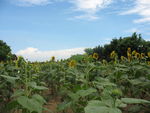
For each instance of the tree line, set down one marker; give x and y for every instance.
(120, 46)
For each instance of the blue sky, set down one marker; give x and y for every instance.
(39, 29)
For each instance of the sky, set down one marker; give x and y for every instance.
(39, 29)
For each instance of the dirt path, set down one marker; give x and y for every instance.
(52, 106)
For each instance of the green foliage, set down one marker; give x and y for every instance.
(120, 46)
(4, 51)
(89, 51)
(78, 57)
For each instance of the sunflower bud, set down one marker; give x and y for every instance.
(116, 92)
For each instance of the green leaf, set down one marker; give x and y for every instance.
(114, 110)
(96, 106)
(24, 101)
(108, 102)
(134, 101)
(34, 85)
(81, 93)
(96, 109)
(120, 104)
(39, 98)
(30, 104)
(87, 92)
(96, 103)
(10, 79)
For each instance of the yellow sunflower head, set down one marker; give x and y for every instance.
(123, 58)
(104, 62)
(134, 52)
(148, 54)
(137, 55)
(113, 54)
(142, 55)
(95, 56)
(53, 58)
(129, 50)
(72, 63)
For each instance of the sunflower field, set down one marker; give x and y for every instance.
(121, 85)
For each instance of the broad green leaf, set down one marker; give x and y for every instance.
(81, 93)
(87, 92)
(96, 103)
(103, 84)
(120, 104)
(24, 101)
(39, 98)
(96, 106)
(114, 110)
(134, 101)
(34, 85)
(10, 79)
(108, 102)
(30, 104)
(36, 106)
(96, 109)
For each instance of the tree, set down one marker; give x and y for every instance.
(89, 50)
(4, 51)
(135, 42)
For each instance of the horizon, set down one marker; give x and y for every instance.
(32, 54)
(39, 29)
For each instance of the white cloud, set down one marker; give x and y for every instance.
(142, 8)
(132, 30)
(33, 54)
(89, 7)
(145, 19)
(32, 2)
